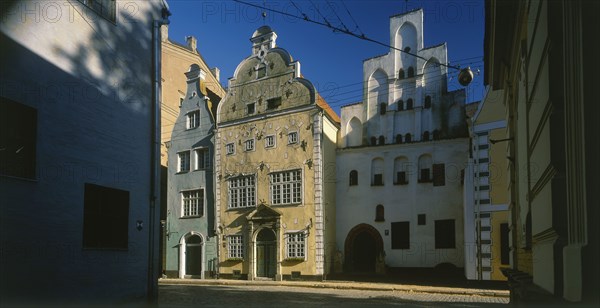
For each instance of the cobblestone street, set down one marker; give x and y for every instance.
(273, 295)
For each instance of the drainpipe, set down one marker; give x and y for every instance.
(154, 219)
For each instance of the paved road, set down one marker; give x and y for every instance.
(279, 296)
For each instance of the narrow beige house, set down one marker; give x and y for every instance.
(275, 197)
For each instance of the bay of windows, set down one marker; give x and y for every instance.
(286, 187)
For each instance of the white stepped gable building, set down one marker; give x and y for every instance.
(400, 158)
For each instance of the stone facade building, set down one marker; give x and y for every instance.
(275, 139)
(399, 159)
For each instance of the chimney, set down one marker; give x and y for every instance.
(216, 72)
(191, 42)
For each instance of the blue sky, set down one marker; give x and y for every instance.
(332, 61)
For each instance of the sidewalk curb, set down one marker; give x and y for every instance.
(340, 285)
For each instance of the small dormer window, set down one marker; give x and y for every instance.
(193, 119)
(251, 108)
(261, 71)
(273, 103)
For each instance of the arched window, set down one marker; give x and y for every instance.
(425, 162)
(377, 172)
(382, 108)
(353, 178)
(373, 140)
(411, 72)
(381, 140)
(401, 74)
(399, 138)
(426, 136)
(354, 132)
(409, 104)
(427, 103)
(400, 104)
(379, 213)
(436, 134)
(407, 138)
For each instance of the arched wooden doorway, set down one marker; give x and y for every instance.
(266, 259)
(362, 248)
(191, 256)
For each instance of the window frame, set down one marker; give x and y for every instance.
(353, 178)
(200, 204)
(272, 137)
(444, 234)
(192, 119)
(300, 252)
(295, 197)
(18, 136)
(235, 246)
(180, 161)
(235, 194)
(252, 143)
(294, 133)
(206, 160)
(230, 148)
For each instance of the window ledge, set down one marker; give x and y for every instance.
(295, 259)
(190, 217)
(425, 181)
(235, 259)
(401, 183)
(182, 172)
(377, 185)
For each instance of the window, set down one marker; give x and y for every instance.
(400, 104)
(192, 203)
(292, 137)
(444, 234)
(353, 178)
(427, 103)
(183, 164)
(379, 213)
(18, 130)
(400, 235)
(378, 179)
(261, 71)
(105, 8)
(411, 72)
(230, 148)
(439, 174)
(424, 168)
(399, 138)
(382, 108)
(381, 140)
(235, 247)
(373, 140)
(377, 172)
(426, 136)
(436, 134)
(242, 192)
(251, 108)
(400, 166)
(105, 217)
(504, 248)
(286, 187)
(421, 219)
(270, 141)
(249, 145)
(401, 74)
(295, 245)
(193, 119)
(407, 138)
(201, 159)
(273, 103)
(409, 104)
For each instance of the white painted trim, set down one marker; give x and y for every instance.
(489, 126)
(182, 252)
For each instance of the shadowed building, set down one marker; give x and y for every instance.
(79, 151)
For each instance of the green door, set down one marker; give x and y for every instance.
(265, 254)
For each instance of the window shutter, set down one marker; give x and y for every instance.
(439, 175)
